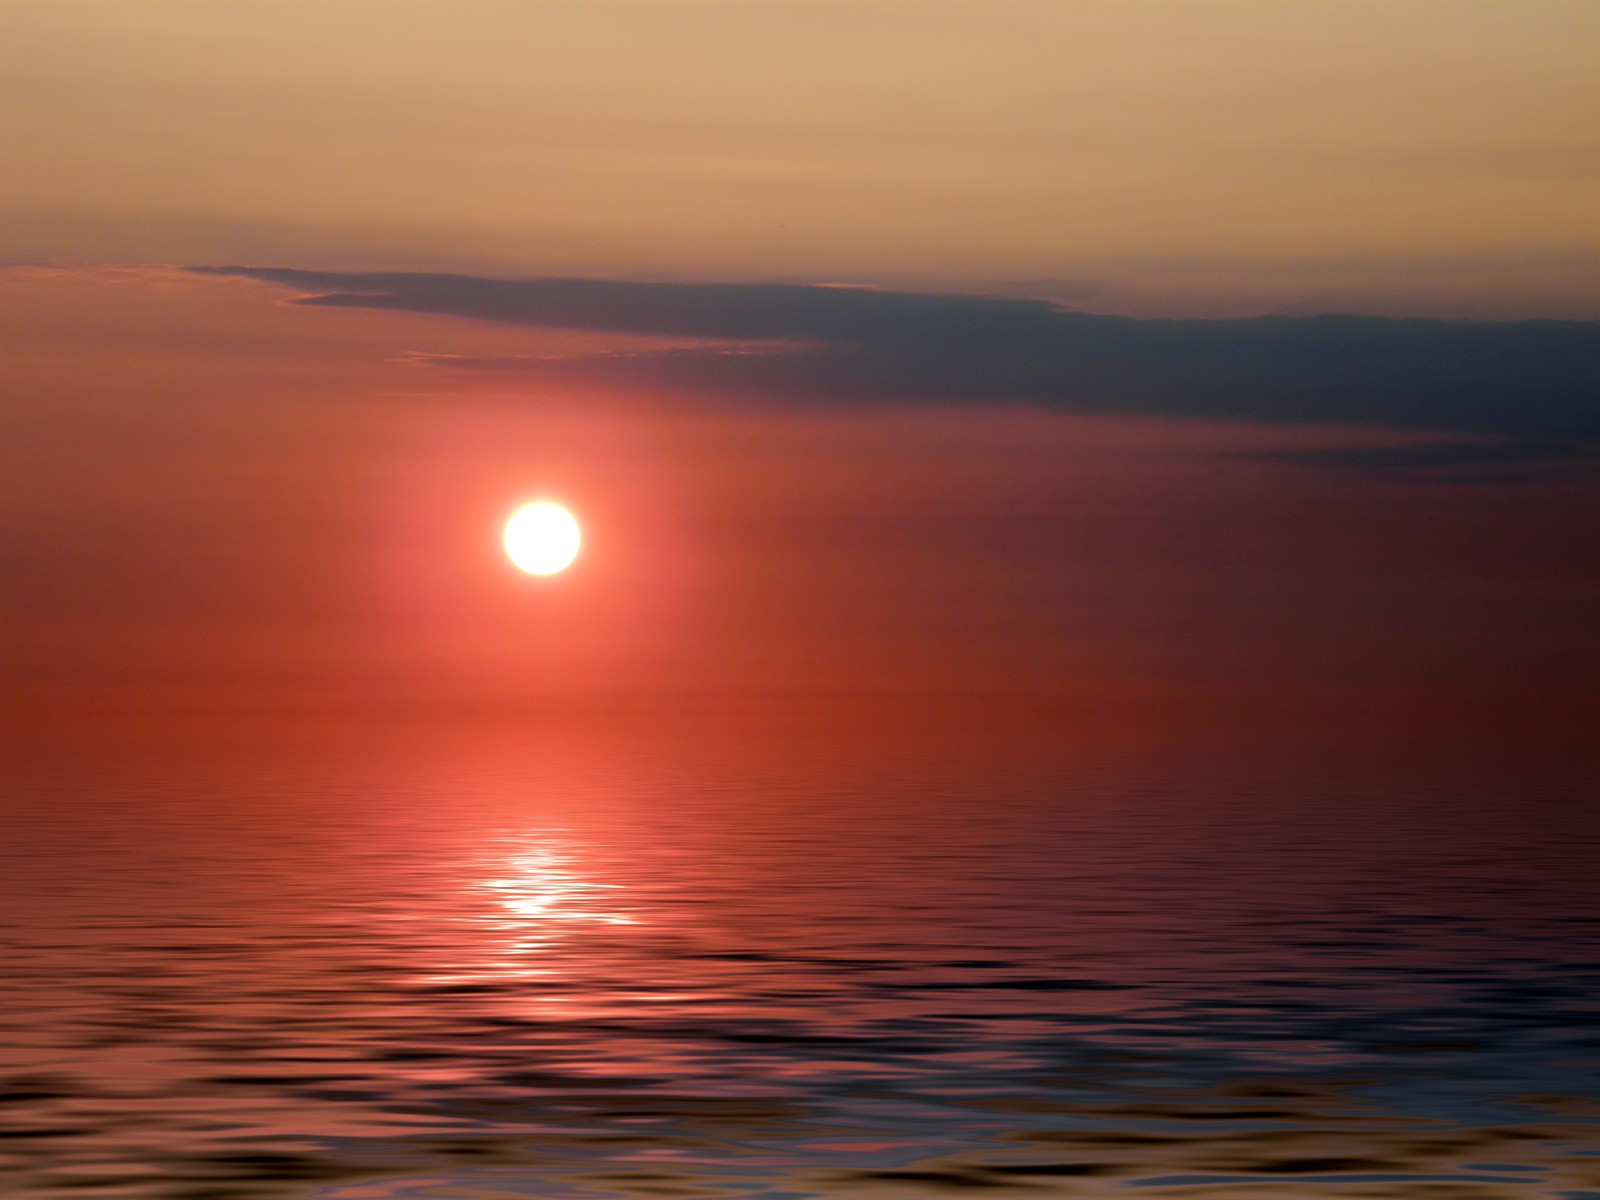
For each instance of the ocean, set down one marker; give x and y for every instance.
(587, 963)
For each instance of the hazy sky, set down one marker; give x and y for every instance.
(1139, 155)
(282, 482)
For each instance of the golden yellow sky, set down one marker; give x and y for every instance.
(1132, 155)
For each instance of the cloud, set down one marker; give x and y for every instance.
(1509, 460)
(1529, 382)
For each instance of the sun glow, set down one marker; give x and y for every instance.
(542, 538)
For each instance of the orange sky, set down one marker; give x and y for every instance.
(1132, 155)
(213, 496)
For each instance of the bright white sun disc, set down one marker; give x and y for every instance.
(542, 538)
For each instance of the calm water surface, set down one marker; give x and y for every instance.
(576, 964)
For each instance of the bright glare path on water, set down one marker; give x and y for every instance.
(592, 966)
(538, 888)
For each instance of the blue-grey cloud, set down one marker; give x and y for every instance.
(1507, 460)
(1532, 382)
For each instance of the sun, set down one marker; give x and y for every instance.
(542, 538)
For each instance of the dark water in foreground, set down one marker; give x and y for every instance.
(572, 965)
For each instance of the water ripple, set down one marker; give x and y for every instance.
(587, 969)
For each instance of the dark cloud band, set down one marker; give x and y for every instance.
(1524, 380)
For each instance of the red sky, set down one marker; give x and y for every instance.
(963, 474)
(221, 500)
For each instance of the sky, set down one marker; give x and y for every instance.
(1144, 355)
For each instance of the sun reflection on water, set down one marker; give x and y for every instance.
(539, 886)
